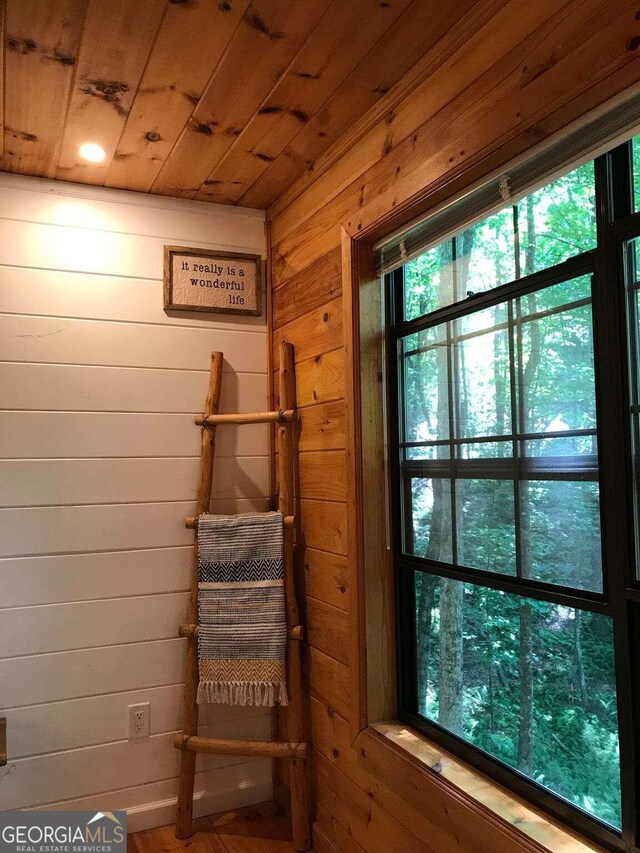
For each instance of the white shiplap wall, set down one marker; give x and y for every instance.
(98, 468)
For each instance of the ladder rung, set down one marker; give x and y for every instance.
(191, 523)
(260, 749)
(295, 633)
(280, 417)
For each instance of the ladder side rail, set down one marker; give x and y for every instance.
(300, 807)
(286, 500)
(184, 816)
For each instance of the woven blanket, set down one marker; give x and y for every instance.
(242, 626)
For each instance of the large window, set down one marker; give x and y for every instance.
(515, 431)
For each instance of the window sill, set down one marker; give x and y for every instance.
(413, 765)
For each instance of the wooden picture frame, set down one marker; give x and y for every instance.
(208, 280)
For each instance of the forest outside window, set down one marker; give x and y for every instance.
(515, 429)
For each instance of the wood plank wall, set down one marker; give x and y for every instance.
(508, 75)
(99, 464)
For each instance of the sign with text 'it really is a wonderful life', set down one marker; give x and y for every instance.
(205, 280)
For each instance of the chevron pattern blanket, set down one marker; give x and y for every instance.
(242, 626)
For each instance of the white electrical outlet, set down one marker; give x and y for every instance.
(139, 720)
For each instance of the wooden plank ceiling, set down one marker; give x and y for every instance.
(219, 100)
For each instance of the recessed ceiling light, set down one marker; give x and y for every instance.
(92, 152)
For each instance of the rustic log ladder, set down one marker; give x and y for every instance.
(294, 749)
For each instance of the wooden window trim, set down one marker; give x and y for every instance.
(398, 756)
(422, 772)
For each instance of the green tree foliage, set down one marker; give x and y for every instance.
(574, 740)
(530, 682)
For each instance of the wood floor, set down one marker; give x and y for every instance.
(255, 829)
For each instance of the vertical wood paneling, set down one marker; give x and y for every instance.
(327, 629)
(320, 379)
(328, 679)
(315, 285)
(482, 91)
(326, 577)
(454, 135)
(322, 475)
(313, 333)
(99, 466)
(322, 426)
(325, 525)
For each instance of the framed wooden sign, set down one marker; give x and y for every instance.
(205, 280)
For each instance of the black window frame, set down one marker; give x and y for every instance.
(620, 598)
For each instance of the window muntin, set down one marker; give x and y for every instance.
(500, 405)
(536, 472)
